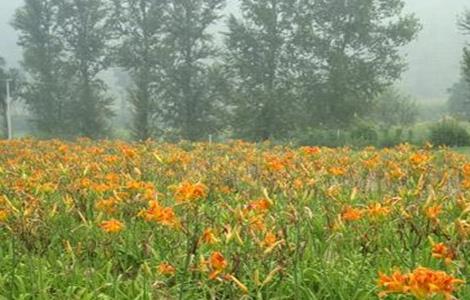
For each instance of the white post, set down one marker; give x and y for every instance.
(8, 115)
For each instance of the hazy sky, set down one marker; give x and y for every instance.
(434, 58)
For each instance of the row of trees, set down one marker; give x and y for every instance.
(459, 100)
(282, 66)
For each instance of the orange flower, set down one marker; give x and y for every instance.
(419, 159)
(441, 251)
(377, 210)
(425, 283)
(217, 263)
(260, 205)
(337, 171)
(395, 172)
(466, 170)
(163, 215)
(396, 283)
(269, 240)
(166, 269)
(422, 283)
(189, 192)
(466, 184)
(3, 215)
(257, 223)
(112, 226)
(351, 214)
(371, 163)
(107, 205)
(208, 237)
(433, 212)
(311, 150)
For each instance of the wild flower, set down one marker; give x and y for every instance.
(422, 283)
(166, 269)
(444, 252)
(187, 192)
(112, 226)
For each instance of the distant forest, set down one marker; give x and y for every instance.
(298, 70)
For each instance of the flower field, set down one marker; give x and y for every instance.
(114, 220)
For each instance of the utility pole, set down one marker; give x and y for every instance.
(7, 108)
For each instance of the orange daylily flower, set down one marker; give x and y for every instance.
(3, 215)
(351, 214)
(422, 283)
(187, 192)
(433, 212)
(112, 226)
(209, 237)
(166, 269)
(441, 251)
(217, 263)
(377, 210)
(163, 215)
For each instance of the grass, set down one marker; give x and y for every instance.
(227, 221)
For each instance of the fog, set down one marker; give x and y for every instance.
(434, 58)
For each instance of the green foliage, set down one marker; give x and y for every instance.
(466, 65)
(313, 63)
(459, 100)
(359, 136)
(85, 31)
(65, 46)
(47, 92)
(393, 108)
(287, 65)
(140, 26)
(259, 53)
(364, 134)
(3, 77)
(350, 52)
(449, 133)
(321, 137)
(188, 108)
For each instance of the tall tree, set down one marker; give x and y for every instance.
(465, 25)
(458, 103)
(188, 106)
(86, 33)
(47, 92)
(260, 54)
(394, 108)
(3, 104)
(353, 50)
(140, 24)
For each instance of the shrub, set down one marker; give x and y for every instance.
(364, 135)
(449, 133)
(322, 137)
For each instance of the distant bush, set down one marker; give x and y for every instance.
(322, 137)
(364, 135)
(449, 133)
